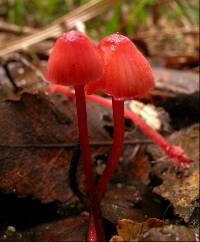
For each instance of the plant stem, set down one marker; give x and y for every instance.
(85, 152)
(113, 158)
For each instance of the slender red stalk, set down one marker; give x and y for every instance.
(92, 235)
(85, 151)
(177, 155)
(113, 158)
(118, 115)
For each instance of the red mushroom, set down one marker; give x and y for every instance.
(127, 75)
(75, 61)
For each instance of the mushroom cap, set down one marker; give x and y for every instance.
(127, 74)
(74, 60)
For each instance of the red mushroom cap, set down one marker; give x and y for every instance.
(74, 60)
(127, 74)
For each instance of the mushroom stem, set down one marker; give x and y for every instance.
(91, 236)
(113, 158)
(85, 151)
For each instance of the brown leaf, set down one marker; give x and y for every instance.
(184, 82)
(169, 233)
(39, 172)
(116, 238)
(180, 187)
(36, 171)
(182, 61)
(141, 167)
(130, 202)
(73, 229)
(27, 77)
(129, 230)
(119, 203)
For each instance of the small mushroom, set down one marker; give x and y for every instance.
(127, 75)
(75, 61)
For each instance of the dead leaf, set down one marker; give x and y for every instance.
(169, 233)
(184, 82)
(182, 61)
(119, 203)
(73, 229)
(116, 238)
(181, 188)
(27, 78)
(42, 172)
(141, 167)
(129, 230)
(130, 202)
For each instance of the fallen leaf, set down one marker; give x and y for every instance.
(136, 166)
(182, 61)
(40, 172)
(119, 203)
(141, 167)
(116, 238)
(176, 81)
(169, 233)
(34, 120)
(129, 230)
(27, 78)
(130, 202)
(73, 229)
(181, 188)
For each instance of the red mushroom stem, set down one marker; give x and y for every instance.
(178, 156)
(92, 235)
(118, 116)
(85, 151)
(114, 155)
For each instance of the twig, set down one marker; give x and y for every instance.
(72, 145)
(82, 13)
(15, 29)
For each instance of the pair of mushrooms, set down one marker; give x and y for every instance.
(115, 67)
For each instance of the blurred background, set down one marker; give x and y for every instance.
(161, 28)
